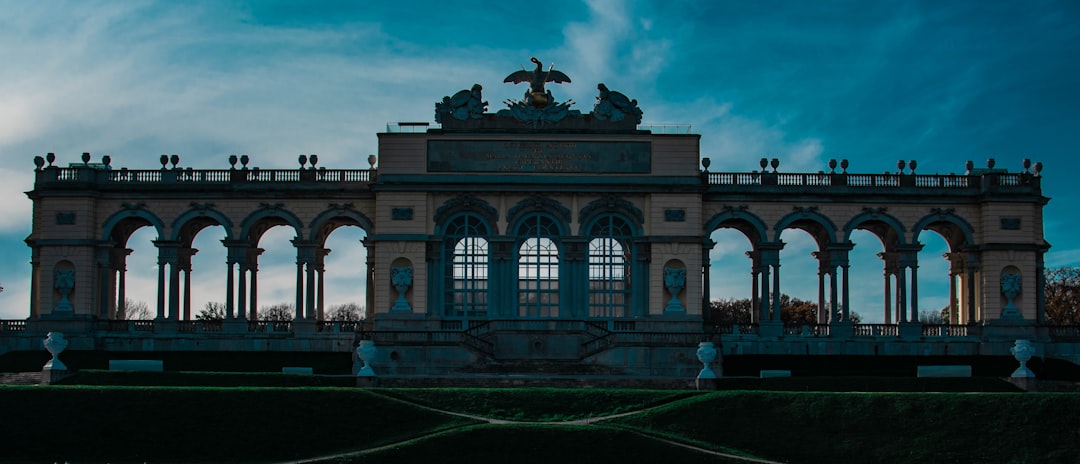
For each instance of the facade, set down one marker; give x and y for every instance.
(539, 234)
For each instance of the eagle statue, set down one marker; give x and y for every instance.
(536, 95)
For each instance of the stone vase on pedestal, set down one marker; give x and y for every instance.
(366, 352)
(706, 353)
(55, 344)
(674, 281)
(402, 279)
(1022, 351)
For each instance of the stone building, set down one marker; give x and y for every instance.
(539, 234)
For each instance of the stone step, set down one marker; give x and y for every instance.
(20, 378)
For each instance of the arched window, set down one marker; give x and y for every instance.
(609, 268)
(538, 268)
(467, 279)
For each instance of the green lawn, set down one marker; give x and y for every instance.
(258, 424)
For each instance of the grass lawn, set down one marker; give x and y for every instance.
(261, 424)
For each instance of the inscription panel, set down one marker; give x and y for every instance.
(539, 156)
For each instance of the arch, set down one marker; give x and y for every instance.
(561, 227)
(329, 220)
(887, 228)
(811, 221)
(186, 226)
(253, 226)
(539, 204)
(749, 224)
(119, 224)
(611, 205)
(957, 232)
(467, 204)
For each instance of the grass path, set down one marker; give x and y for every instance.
(493, 421)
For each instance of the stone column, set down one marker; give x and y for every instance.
(756, 293)
(236, 252)
(770, 294)
(706, 248)
(909, 259)
(168, 256)
(185, 255)
(118, 261)
(320, 271)
(956, 269)
(838, 258)
(251, 259)
(823, 270)
(973, 267)
(305, 287)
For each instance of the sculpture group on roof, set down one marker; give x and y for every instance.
(538, 108)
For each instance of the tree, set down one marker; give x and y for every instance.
(737, 311)
(730, 311)
(277, 312)
(345, 312)
(931, 317)
(132, 310)
(213, 311)
(1063, 296)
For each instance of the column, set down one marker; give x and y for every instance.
(909, 260)
(823, 270)
(251, 260)
(185, 255)
(755, 285)
(706, 247)
(320, 270)
(235, 258)
(973, 265)
(956, 269)
(891, 272)
(840, 293)
(305, 288)
(770, 295)
(119, 267)
(369, 297)
(167, 256)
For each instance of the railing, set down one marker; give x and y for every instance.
(189, 176)
(664, 128)
(416, 337)
(807, 330)
(12, 326)
(876, 330)
(269, 326)
(1065, 331)
(1011, 182)
(945, 330)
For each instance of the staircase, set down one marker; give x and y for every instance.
(20, 378)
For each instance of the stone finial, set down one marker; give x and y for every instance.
(55, 344)
(1022, 351)
(365, 351)
(706, 353)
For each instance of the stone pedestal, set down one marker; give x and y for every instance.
(910, 330)
(367, 382)
(53, 376)
(771, 329)
(304, 326)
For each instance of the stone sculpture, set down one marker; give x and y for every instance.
(64, 282)
(674, 281)
(55, 344)
(1022, 351)
(402, 279)
(706, 353)
(365, 351)
(614, 106)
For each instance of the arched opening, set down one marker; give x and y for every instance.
(344, 276)
(538, 261)
(868, 302)
(609, 268)
(730, 290)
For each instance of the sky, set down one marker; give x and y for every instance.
(872, 82)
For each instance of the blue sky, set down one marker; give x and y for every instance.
(873, 82)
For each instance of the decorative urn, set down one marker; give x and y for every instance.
(55, 344)
(366, 352)
(706, 353)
